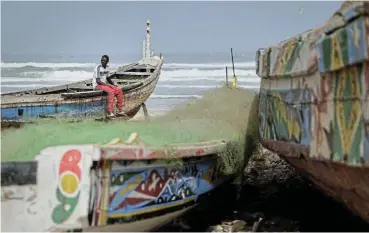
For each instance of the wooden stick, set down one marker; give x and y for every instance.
(146, 114)
(234, 78)
(227, 76)
(232, 62)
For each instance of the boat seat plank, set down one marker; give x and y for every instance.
(134, 73)
(79, 86)
(127, 80)
(84, 94)
(123, 68)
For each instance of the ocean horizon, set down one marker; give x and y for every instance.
(183, 76)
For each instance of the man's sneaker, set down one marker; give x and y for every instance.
(110, 115)
(121, 113)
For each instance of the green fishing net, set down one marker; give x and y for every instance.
(223, 113)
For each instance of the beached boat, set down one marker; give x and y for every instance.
(314, 104)
(121, 186)
(79, 99)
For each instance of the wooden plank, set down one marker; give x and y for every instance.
(80, 86)
(84, 94)
(127, 80)
(123, 68)
(134, 73)
(181, 150)
(45, 90)
(29, 99)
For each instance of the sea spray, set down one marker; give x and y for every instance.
(178, 81)
(221, 114)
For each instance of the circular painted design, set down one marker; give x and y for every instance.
(69, 183)
(69, 186)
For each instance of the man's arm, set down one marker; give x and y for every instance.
(109, 81)
(98, 78)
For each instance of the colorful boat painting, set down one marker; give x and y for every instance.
(122, 186)
(314, 104)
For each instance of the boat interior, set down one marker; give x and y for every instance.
(127, 77)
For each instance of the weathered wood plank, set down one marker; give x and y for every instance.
(134, 73)
(84, 94)
(127, 80)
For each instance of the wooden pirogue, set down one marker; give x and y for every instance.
(121, 186)
(137, 80)
(314, 104)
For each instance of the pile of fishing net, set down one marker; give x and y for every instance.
(223, 113)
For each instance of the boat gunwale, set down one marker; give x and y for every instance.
(170, 151)
(60, 100)
(27, 92)
(295, 150)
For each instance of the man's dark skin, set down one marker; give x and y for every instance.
(104, 63)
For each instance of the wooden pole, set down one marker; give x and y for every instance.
(227, 76)
(232, 62)
(234, 79)
(146, 114)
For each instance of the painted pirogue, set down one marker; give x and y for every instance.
(80, 99)
(121, 186)
(314, 104)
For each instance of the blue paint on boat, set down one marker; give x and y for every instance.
(28, 112)
(144, 190)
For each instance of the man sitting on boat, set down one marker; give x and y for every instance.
(100, 76)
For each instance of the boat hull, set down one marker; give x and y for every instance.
(18, 108)
(109, 188)
(314, 102)
(32, 111)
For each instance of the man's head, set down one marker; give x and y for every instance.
(104, 60)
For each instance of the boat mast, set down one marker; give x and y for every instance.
(143, 48)
(147, 52)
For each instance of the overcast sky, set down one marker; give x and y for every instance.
(177, 27)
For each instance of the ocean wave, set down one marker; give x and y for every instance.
(171, 76)
(60, 74)
(14, 83)
(45, 65)
(249, 64)
(156, 96)
(178, 81)
(29, 85)
(50, 76)
(203, 86)
(16, 65)
(198, 73)
(206, 80)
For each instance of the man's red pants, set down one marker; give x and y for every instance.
(112, 91)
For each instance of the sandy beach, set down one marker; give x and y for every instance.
(153, 114)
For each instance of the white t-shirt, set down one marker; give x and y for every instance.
(99, 73)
